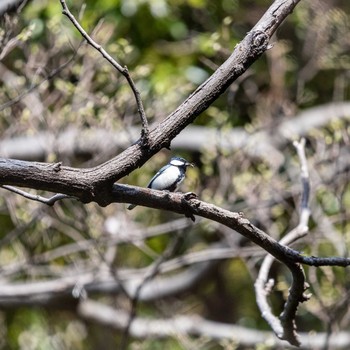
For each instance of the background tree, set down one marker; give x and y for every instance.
(157, 275)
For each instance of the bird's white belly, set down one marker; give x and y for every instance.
(166, 179)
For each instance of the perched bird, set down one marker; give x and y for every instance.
(169, 177)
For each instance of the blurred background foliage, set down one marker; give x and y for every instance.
(51, 81)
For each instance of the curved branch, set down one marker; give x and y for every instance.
(49, 201)
(81, 183)
(285, 327)
(187, 205)
(46, 177)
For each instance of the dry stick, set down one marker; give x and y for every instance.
(284, 327)
(49, 201)
(123, 70)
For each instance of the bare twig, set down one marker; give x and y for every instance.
(284, 327)
(123, 70)
(42, 175)
(49, 201)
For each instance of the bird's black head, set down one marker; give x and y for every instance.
(180, 162)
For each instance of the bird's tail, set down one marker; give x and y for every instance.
(131, 206)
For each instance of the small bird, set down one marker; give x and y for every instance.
(169, 177)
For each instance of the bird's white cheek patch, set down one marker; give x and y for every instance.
(176, 162)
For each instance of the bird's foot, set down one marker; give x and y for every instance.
(188, 208)
(190, 195)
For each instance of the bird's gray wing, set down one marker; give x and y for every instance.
(161, 170)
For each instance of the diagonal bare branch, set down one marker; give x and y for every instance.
(123, 70)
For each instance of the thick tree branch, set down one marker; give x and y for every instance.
(53, 177)
(181, 203)
(59, 179)
(42, 176)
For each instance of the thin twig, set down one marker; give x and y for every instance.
(123, 70)
(49, 201)
(284, 327)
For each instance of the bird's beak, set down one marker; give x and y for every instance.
(190, 164)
